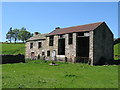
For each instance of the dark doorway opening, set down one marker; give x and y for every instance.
(61, 47)
(38, 56)
(82, 49)
(32, 55)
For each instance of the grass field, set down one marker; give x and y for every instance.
(38, 74)
(13, 48)
(117, 51)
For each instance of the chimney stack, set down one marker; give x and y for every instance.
(57, 28)
(36, 33)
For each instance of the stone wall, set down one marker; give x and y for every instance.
(51, 48)
(102, 45)
(35, 49)
(91, 33)
(45, 47)
(70, 49)
(12, 58)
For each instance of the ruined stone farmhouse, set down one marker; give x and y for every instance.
(90, 43)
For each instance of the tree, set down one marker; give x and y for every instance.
(9, 34)
(24, 35)
(15, 34)
(23, 29)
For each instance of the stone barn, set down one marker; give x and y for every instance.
(90, 43)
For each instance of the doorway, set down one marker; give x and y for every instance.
(54, 55)
(82, 49)
(32, 55)
(61, 47)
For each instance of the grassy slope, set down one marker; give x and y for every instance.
(20, 48)
(117, 50)
(38, 74)
(13, 48)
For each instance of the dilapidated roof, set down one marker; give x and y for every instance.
(81, 28)
(38, 37)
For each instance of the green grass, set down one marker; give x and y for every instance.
(38, 74)
(116, 51)
(13, 48)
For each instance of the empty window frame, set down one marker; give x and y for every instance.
(70, 36)
(43, 53)
(31, 45)
(48, 53)
(80, 34)
(61, 36)
(39, 44)
(51, 40)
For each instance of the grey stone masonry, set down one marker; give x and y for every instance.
(98, 44)
(70, 49)
(91, 47)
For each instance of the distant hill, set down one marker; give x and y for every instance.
(18, 48)
(117, 48)
(116, 41)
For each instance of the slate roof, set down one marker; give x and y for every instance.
(81, 28)
(38, 37)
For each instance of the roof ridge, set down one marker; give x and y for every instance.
(79, 28)
(81, 25)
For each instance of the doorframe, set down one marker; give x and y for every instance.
(54, 55)
(58, 46)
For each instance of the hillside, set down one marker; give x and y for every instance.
(116, 48)
(116, 51)
(116, 41)
(13, 48)
(20, 48)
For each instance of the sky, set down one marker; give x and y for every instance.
(44, 17)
